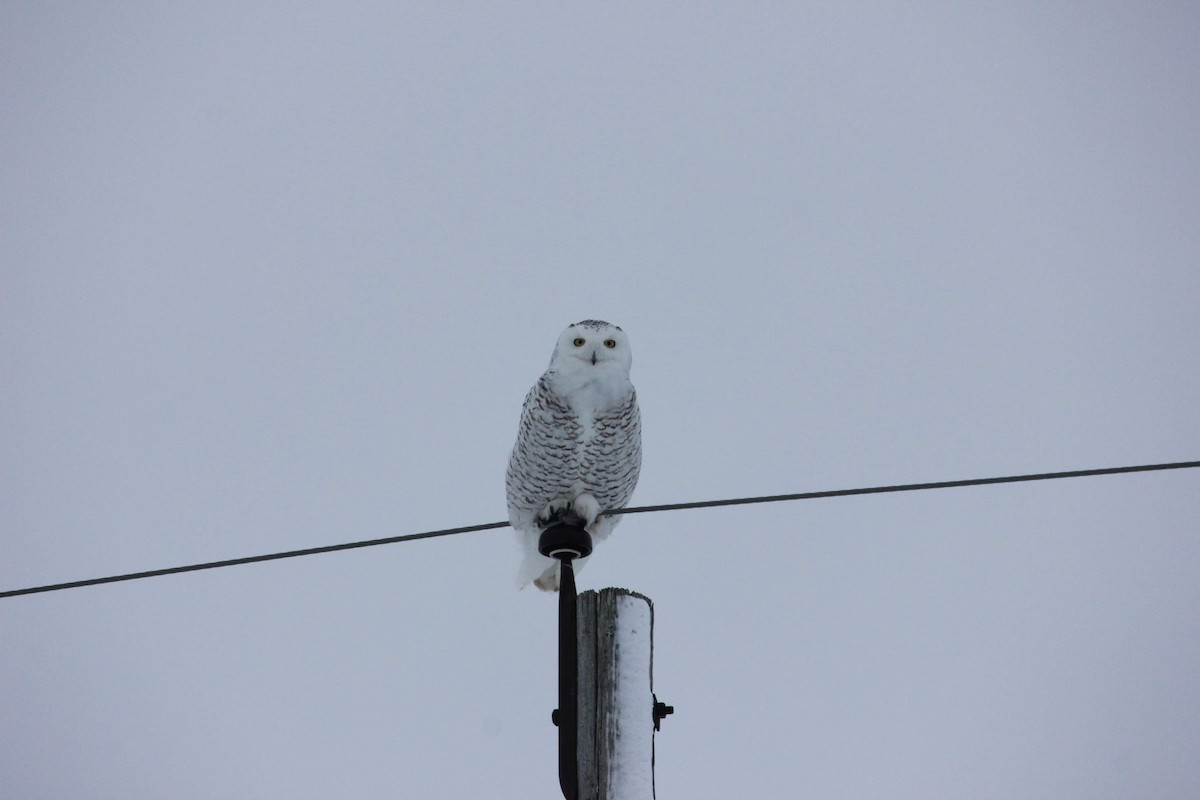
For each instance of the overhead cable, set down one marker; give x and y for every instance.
(312, 551)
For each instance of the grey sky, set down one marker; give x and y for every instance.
(278, 275)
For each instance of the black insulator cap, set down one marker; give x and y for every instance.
(565, 541)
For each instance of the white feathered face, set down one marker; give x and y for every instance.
(592, 344)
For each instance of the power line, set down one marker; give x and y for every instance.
(312, 551)
(908, 487)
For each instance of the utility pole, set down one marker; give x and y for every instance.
(607, 713)
(617, 708)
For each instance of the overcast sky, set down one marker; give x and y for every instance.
(277, 275)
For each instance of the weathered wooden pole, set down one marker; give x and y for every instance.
(618, 712)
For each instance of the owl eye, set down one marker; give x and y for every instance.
(579, 341)
(610, 343)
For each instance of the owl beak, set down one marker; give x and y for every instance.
(593, 358)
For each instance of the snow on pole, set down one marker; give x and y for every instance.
(616, 698)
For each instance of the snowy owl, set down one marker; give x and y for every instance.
(579, 445)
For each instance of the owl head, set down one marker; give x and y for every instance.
(592, 345)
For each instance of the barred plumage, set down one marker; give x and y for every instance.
(579, 444)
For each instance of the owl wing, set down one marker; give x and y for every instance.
(612, 459)
(543, 463)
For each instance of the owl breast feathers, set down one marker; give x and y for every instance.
(579, 444)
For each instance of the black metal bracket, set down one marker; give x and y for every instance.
(661, 711)
(566, 542)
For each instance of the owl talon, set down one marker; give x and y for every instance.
(552, 513)
(586, 508)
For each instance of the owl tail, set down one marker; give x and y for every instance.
(542, 572)
(548, 580)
